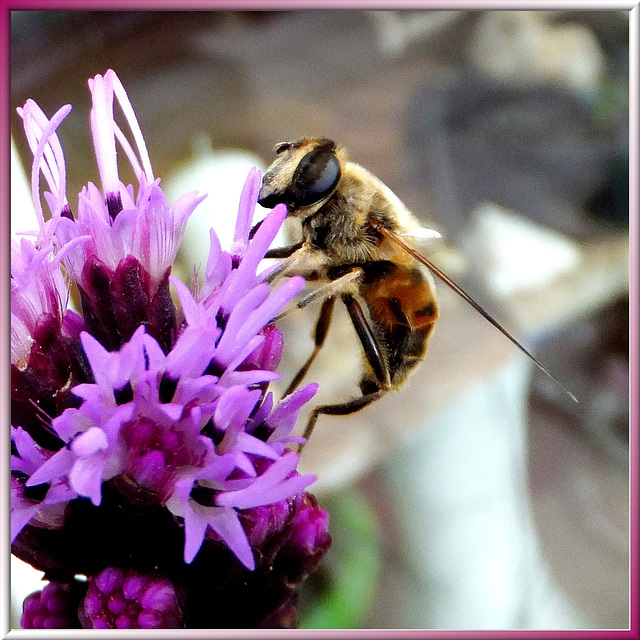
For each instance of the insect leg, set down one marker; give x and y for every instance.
(320, 333)
(293, 256)
(283, 252)
(370, 343)
(373, 353)
(341, 409)
(325, 291)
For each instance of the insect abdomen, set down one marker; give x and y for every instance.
(403, 308)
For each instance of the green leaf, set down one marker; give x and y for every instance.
(338, 594)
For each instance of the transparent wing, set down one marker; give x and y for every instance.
(401, 240)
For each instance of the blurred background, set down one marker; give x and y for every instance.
(478, 496)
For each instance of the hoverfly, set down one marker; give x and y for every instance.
(357, 242)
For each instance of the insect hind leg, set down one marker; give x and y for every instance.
(339, 409)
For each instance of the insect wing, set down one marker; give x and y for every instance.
(398, 239)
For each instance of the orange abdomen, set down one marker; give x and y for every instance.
(403, 309)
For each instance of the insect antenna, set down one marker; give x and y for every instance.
(394, 237)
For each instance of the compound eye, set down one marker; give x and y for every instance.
(282, 146)
(315, 177)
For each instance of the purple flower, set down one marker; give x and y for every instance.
(144, 433)
(37, 284)
(118, 222)
(38, 289)
(45, 354)
(43, 506)
(48, 159)
(38, 293)
(133, 422)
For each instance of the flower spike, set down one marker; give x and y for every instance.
(148, 454)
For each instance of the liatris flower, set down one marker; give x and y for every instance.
(147, 452)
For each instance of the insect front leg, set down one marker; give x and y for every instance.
(325, 291)
(283, 252)
(294, 256)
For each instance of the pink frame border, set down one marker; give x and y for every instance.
(6, 6)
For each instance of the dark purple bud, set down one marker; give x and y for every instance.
(129, 296)
(55, 607)
(116, 303)
(127, 599)
(309, 528)
(267, 355)
(162, 322)
(55, 364)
